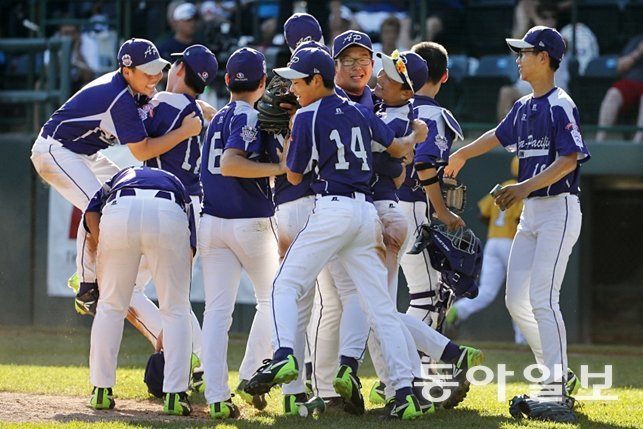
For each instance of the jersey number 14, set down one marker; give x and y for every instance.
(357, 147)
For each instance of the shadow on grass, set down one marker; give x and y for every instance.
(453, 419)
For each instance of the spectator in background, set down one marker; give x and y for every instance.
(389, 34)
(526, 14)
(340, 19)
(625, 94)
(444, 21)
(185, 19)
(81, 72)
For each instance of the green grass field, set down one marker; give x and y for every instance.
(54, 362)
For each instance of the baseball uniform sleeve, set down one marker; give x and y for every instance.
(127, 121)
(244, 133)
(505, 131)
(301, 144)
(381, 132)
(567, 135)
(428, 151)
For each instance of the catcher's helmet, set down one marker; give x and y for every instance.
(458, 256)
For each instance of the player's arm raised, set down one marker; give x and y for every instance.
(479, 146)
(511, 194)
(152, 147)
(402, 145)
(235, 162)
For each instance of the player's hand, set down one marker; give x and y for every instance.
(290, 108)
(207, 110)
(451, 220)
(510, 195)
(421, 130)
(191, 125)
(456, 162)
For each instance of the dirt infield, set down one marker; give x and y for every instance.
(23, 407)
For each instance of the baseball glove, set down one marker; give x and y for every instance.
(454, 193)
(273, 118)
(541, 409)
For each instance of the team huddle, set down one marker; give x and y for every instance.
(320, 211)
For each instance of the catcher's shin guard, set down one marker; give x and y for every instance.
(436, 302)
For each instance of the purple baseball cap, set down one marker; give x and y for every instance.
(351, 38)
(201, 61)
(246, 65)
(405, 67)
(312, 44)
(143, 55)
(308, 62)
(302, 27)
(540, 38)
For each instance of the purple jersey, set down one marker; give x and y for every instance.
(386, 168)
(162, 114)
(101, 114)
(284, 191)
(366, 99)
(145, 178)
(540, 129)
(443, 130)
(234, 127)
(336, 134)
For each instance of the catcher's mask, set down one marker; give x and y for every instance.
(458, 256)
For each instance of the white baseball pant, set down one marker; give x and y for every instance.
(225, 247)
(547, 232)
(77, 178)
(147, 312)
(131, 227)
(291, 218)
(350, 229)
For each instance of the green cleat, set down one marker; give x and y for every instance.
(74, 283)
(408, 410)
(102, 398)
(572, 384)
(224, 410)
(469, 358)
(257, 401)
(292, 403)
(198, 384)
(452, 316)
(376, 395)
(348, 386)
(177, 404)
(271, 374)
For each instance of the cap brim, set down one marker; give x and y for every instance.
(361, 45)
(288, 73)
(517, 44)
(389, 67)
(154, 67)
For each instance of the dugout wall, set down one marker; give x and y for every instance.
(602, 295)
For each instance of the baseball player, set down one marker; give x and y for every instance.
(543, 128)
(336, 134)
(502, 225)
(402, 75)
(142, 212)
(194, 69)
(67, 155)
(236, 230)
(352, 52)
(293, 205)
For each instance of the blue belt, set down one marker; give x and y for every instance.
(131, 192)
(354, 195)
